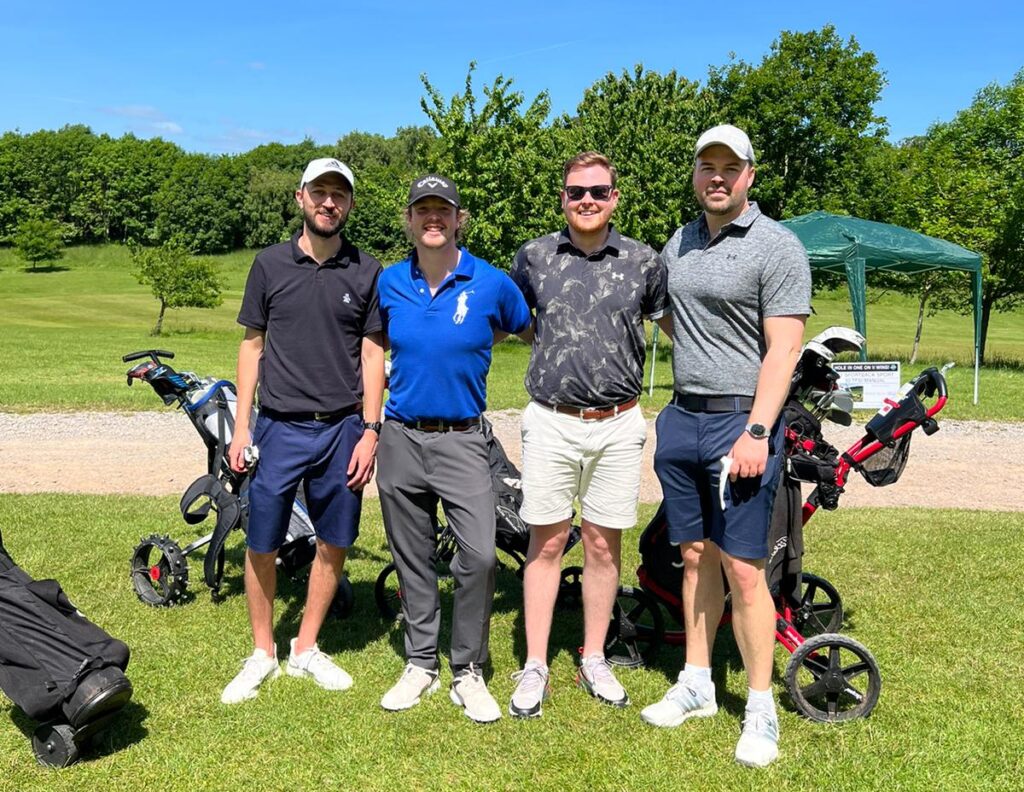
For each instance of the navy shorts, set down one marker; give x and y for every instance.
(315, 454)
(688, 463)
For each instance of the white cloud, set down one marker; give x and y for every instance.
(168, 127)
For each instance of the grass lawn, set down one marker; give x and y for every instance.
(932, 594)
(62, 334)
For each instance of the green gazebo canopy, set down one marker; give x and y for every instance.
(849, 245)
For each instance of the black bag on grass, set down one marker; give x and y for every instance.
(55, 664)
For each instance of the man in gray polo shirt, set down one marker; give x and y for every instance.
(583, 432)
(740, 289)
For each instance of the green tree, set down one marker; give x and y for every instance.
(809, 108)
(647, 124)
(38, 241)
(376, 220)
(199, 206)
(39, 173)
(269, 211)
(968, 187)
(283, 157)
(177, 279)
(504, 160)
(118, 183)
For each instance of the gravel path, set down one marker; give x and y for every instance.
(968, 464)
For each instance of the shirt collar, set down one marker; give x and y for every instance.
(744, 221)
(463, 270)
(343, 257)
(613, 243)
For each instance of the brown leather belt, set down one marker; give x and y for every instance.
(591, 413)
(441, 425)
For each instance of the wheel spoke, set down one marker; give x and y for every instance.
(636, 612)
(856, 669)
(815, 689)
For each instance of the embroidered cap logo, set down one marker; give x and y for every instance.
(432, 182)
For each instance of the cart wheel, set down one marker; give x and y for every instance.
(388, 594)
(159, 571)
(820, 609)
(833, 678)
(54, 745)
(570, 589)
(636, 629)
(344, 599)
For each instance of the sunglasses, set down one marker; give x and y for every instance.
(599, 192)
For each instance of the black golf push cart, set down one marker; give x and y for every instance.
(159, 565)
(830, 676)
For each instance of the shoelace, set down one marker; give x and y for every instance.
(411, 669)
(318, 658)
(600, 673)
(530, 680)
(762, 724)
(251, 666)
(471, 676)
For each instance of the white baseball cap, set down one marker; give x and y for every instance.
(727, 135)
(318, 167)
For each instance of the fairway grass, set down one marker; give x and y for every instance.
(934, 595)
(63, 332)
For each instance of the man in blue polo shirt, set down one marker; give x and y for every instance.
(313, 343)
(441, 310)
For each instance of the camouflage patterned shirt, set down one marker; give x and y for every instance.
(589, 345)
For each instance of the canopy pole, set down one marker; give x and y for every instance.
(855, 282)
(977, 330)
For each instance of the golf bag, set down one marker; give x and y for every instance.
(56, 665)
(159, 564)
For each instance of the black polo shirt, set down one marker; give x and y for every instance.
(315, 318)
(589, 346)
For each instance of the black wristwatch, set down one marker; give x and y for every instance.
(757, 431)
(373, 426)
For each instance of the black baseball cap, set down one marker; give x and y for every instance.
(433, 186)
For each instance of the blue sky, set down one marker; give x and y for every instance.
(226, 77)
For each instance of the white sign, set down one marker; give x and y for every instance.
(870, 383)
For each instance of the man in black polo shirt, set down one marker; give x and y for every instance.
(583, 433)
(313, 343)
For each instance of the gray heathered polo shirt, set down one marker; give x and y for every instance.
(589, 347)
(721, 290)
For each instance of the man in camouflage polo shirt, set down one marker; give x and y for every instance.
(583, 432)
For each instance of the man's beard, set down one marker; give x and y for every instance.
(311, 224)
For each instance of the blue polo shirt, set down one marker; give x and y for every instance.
(441, 343)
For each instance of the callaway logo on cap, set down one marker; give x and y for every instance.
(433, 186)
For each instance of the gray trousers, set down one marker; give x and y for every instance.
(416, 470)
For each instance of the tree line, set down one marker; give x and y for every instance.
(809, 106)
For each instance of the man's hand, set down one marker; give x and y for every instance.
(360, 467)
(749, 457)
(239, 441)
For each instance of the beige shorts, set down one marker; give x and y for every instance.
(565, 458)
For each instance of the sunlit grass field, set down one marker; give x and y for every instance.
(931, 594)
(62, 334)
